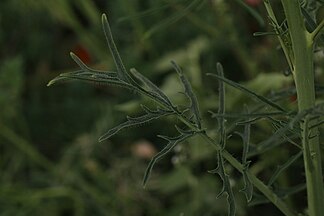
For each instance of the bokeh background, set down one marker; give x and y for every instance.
(50, 159)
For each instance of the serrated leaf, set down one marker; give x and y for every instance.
(190, 94)
(283, 167)
(121, 70)
(220, 170)
(134, 121)
(152, 87)
(249, 92)
(172, 142)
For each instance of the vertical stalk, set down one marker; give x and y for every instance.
(302, 45)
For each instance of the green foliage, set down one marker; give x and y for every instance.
(51, 161)
(124, 79)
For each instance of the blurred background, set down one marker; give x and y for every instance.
(50, 159)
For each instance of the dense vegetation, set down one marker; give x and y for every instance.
(51, 160)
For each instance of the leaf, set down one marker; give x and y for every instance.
(220, 170)
(246, 142)
(248, 186)
(82, 65)
(152, 87)
(273, 140)
(221, 108)
(257, 34)
(252, 11)
(190, 94)
(283, 167)
(280, 193)
(247, 91)
(173, 19)
(248, 115)
(172, 142)
(121, 70)
(133, 121)
(106, 78)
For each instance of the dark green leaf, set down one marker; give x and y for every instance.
(121, 70)
(220, 170)
(151, 87)
(103, 78)
(221, 108)
(283, 167)
(248, 186)
(190, 94)
(134, 121)
(252, 11)
(249, 92)
(172, 142)
(174, 18)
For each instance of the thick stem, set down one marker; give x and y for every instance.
(302, 46)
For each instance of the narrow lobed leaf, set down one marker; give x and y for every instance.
(80, 63)
(152, 87)
(108, 78)
(221, 108)
(121, 70)
(252, 11)
(283, 167)
(248, 115)
(172, 142)
(248, 187)
(134, 121)
(246, 141)
(220, 170)
(190, 94)
(280, 193)
(249, 92)
(257, 34)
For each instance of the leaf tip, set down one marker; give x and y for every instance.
(104, 17)
(50, 83)
(101, 139)
(72, 55)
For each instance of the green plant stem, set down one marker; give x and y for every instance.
(302, 45)
(317, 31)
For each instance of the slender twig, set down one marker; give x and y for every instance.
(317, 31)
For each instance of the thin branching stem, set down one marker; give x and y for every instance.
(317, 31)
